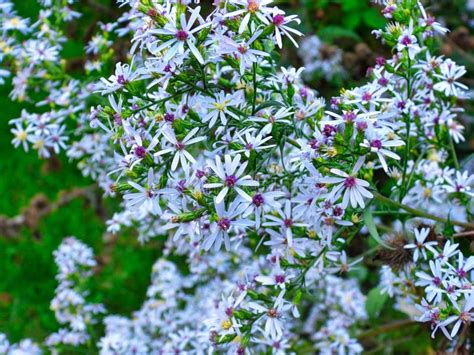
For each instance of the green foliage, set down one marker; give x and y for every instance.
(375, 302)
(27, 268)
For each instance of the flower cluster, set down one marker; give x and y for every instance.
(75, 261)
(31, 53)
(226, 152)
(263, 189)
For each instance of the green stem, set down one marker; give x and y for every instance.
(453, 152)
(254, 99)
(422, 214)
(405, 159)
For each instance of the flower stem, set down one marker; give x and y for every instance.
(453, 153)
(419, 213)
(254, 99)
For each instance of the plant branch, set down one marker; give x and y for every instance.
(422, 214)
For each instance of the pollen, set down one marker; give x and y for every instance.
(15, 21)
(21, 135)
(253, 6)
(220, 106)
(427, 192)
(226, 324)
(39, 144)
(332, 152)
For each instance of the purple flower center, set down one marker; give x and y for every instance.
(258, 200)
(362, 126)
(461, 273)
(224, 224)
(383, 81)
(288, 222)
(229, 311)
(376, 143)
(314, 144)
(140, 151)
(181, 186)
(230, 180)
(436, 281)
(121, 80)
(380, 61)
(181, 35)
(278, 20)
(367, 96)
(279, 279)
(350, 116)
(328, 130)
(242, 49)
(338, 211)
(117, 119)
(169, 117)
(350, 182)
(406, 40)
(180, 146)
(200, 174)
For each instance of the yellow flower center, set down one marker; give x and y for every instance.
(226, 324)
(21, 135)
(253, 6)
(427, 192)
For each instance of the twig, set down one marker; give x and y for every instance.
(464, 234)
(386, 328)
(39, 207)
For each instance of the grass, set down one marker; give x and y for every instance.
(27, 269)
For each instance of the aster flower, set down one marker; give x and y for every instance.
(449, 76)
(378, 140)
(420, 245)
(218, 107)
(179, 147)
(231, 175)
(124, 73)
(182, 34)
(464, 317)
(252, 142)
(147, 196)
(273, 315)
(408, 41)
(350, 187)
(251, 7)
(433, 283)
(285, 219)
(227, 221)
(280, 21)
(242, 50)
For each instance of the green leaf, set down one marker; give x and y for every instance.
(352, 20)
(331, 33)
(369, 222)
(269, 104)
(372, 18)
(375, 302)
(350, 5)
